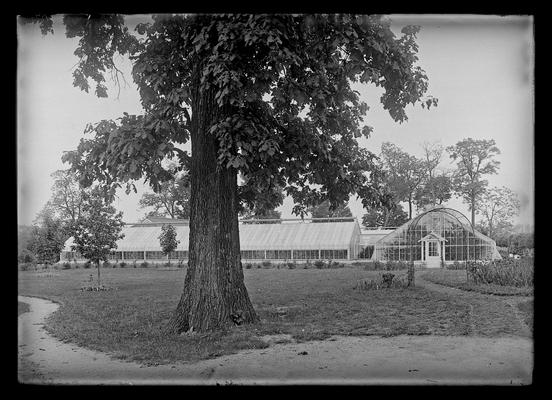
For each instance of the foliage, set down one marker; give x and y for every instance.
(27, 266)
(327, 210)
(167, 239)
(385, 217)
(67, 196)
(272, 95)
(319, 264)
(260, 202)
(97, 229)
(456, 266)
(405, 173)
(436, 190)
(266, 264)
(66, 265)
(383, 266)
(87, 264)
(497, 206)
(474, 159)
(172, 198)
(48, 237)
(144, 264)
(122, 264)
(26, 256)
(506, 272)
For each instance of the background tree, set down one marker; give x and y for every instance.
(268, 96)
(167, 240)
(48, 236)
(325, 210)
(67, 197)
(172, 199)
(97, 229)
(498, 205)
(405, 173)
(474, 159)
(385, 217)
(24, 237)
(435, 191)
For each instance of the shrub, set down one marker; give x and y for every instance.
(267, 264)
(66, 265)
(106, 264)
(507, 272)
(319, 264)
(247, 266)
(167, 265)
(456, 266)
(26, 266)
(122, 264)
(144, 264)
(291, 265)
(87, 264)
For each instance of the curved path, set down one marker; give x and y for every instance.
(339, 360)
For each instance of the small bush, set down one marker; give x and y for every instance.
(106, 264)
(456, 266)
(87, 264)
(266, 264)
(27, 266)
(122, 264)
(66, 265)
(247, 266)
(291, 265)
(167, 265)
(319, 264)
(144, 264)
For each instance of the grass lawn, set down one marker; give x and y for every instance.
(22, 308)
(527, 310)
(457, 279)
(307, 304)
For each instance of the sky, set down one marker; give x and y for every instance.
(481, 68)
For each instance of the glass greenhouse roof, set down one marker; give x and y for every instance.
(273, 236)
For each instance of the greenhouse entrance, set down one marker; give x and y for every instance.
(433, 248)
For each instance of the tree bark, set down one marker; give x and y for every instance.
(214, 294)
(98, 266)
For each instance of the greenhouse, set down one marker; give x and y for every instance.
(308, 239)
(439, 235)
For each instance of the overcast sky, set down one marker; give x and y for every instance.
(479, 67)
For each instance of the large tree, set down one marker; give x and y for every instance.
(498, 205)
(405, 173)
(474, 159)
(267, 96)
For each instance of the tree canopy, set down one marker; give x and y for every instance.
(474, 159)
(266, 97)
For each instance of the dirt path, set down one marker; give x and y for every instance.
(339, 360)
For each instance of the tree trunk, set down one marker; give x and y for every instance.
(214, 293)
(473, 211)
(98, 266)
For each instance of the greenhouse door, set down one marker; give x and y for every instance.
(432, 253)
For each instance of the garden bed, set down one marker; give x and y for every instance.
(457, 279)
